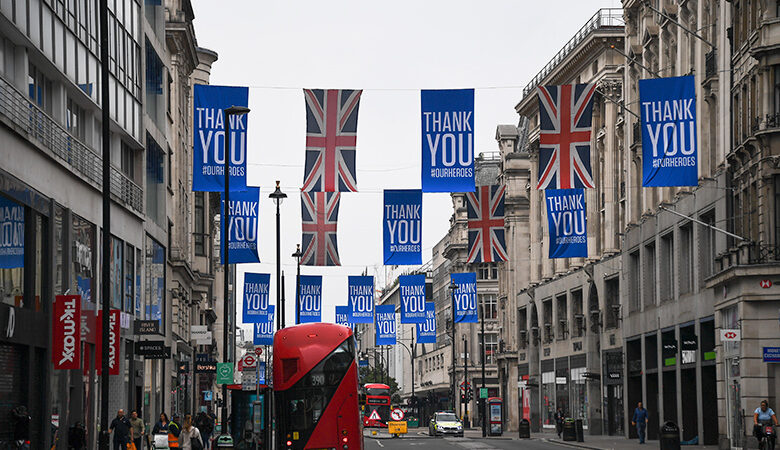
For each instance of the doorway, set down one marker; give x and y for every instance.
(614, 409)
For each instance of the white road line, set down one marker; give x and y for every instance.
(379, 443)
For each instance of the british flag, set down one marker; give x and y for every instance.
(320, 214)
(485, 209)
(564, 137)
(331, 139)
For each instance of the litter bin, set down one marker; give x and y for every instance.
(670, 436)
(580, 430)
(224, 441)
(569, 431)
(524, 429)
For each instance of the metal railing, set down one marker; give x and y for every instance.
(710, 64)
(28, 119)
(604, 18)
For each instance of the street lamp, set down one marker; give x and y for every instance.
(466, 422)
(232, 111)
(278, 197)
(411, 356)
(482, 410)
(452, 288)
(298, 255)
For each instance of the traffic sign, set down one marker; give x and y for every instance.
(483, 393)
(397, 415)
(248, 361)
(396, 428)
(374, 416)
(258, 350)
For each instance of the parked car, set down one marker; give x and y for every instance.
(445, 423)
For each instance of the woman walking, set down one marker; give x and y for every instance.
(190, 435)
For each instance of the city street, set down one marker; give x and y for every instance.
(428, 443)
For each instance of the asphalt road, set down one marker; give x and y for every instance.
(449, 443)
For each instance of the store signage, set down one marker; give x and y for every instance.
(146, 327)
(249, 361)
(200, 334)
(66, 332)
(152, 349)
(204, 363)
(560, 380)
(731, 335)
(771, 354)
(113, 342)
(225, 373)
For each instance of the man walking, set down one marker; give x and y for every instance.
(120, 426)
(640, 421)
(138, 428)
(559, 418)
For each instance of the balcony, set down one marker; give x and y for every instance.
(27, 119)
(606, 18)
(710, 64)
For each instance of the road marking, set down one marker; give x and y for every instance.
(472, 445)
(380, 443)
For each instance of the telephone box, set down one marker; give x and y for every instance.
(494, 414)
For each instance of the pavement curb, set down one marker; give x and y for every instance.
(569, 444)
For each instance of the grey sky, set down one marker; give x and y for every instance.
(391, 50)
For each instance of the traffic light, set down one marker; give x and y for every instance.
(469, 395)
(463, 398)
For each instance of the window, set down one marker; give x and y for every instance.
(155, 177)
(648, 274)
(491, 347)
(12, 252)
(612, 302)
(522, 318)
(117, 263)
(129, 282)
(83, 269)
(578, 324)
(548, 318)
(39, 88)
(488, 302)
(488, 271)
(686, 259)
(562, 313)
(707, 245)
(633, 279)
(666, 276)
(128, 160)
(74, 119)
(200, 225)
(170, 167)
(155, 282)
(777, 212)
(548, 399)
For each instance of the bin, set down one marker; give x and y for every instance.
(224, 441)
(580, 431)
(412, 422)
(524, 429)
(569, 431)
(670, 436)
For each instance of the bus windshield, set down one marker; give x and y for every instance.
(378, 391)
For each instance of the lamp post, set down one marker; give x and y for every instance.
(453, 287)
(278, 197)
(226, 310)
(482, 410)
(466, 422)
(297, 255)
(411, 356)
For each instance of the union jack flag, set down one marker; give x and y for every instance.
(485, 209)
(331, 139)
(564, 137)
(320, 214)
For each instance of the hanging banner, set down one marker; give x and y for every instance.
(426, 331)
(465, 297)
(485, 212)
(565, 123)
(66, 332)
(669, 141)
(385, 325)
(242, 232)
(261, 372)
(566, 223)
(331, 140)
(319, 219)
(264, 331)
(310, 299)
(360, 295)
(342, 316)
(11, 234)
(402, 227)
(447, 140)
(113, 342)
(256, 301)
(412, 293)
(208, 155)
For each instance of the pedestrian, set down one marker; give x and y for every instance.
(21, 426)
(559, 417)
(640, 421)
(190, 435)
(120, 426)
(77, 437)
(161, 427)
(205, 424)
(138, 429)
(174, 430)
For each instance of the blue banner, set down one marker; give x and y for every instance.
(342, 316)
(256, 287)
(412, 290)
(261, 372)
(402, 227)
(447, 140)
(242, 232)
(426, 331)
(385, 325)
(208, 155)
(567, 223)
(264, 331)
(11, 234)
(669, 144)
(465, 297)
(310, 299)
(360, 295)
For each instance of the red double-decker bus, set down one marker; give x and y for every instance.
(377, 411)
(316, 388)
